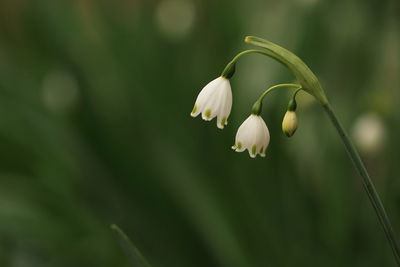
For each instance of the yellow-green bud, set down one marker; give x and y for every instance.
(289, 123)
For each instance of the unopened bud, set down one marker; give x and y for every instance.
(289, 123)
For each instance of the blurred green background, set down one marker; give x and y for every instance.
(95, 129)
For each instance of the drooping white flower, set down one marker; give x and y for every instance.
(214, 100)
(252, 135)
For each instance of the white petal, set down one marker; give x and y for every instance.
(195, 111)
(244, 132)
(264, 133)
(251, 154)
(252, 132)
(225, 108)
(215, 100)
(204, 96)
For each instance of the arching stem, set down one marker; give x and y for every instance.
(257, 107)
(230, 67)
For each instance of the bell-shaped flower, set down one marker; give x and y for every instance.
(214, 100)
(289, 123)
(252, 135)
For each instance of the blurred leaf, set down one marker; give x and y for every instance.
(131, 251)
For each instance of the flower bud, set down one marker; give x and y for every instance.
(289, 123)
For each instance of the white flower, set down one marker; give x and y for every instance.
(252, 135)
(214, 100)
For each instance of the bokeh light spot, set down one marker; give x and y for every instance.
(60, 91)
(369, 133)
(175, 18)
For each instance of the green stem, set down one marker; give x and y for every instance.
(368, 184)
(297, 91)
(258, 104)
(230, 67)
(295, 85)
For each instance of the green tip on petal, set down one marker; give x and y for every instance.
(223, 121)
(262, 151)
(253, 149)
(207, 113)
(194, 109)
(238, 145)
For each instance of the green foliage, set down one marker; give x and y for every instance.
(95, 129)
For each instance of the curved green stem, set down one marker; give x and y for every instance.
(230, 67)
(300, 70)
(367, 183)
(272, 88)
(258, 104)
(245, 52)
(297, 91)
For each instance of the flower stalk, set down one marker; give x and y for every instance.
(310, 84)
(216, 100)
(257, 107)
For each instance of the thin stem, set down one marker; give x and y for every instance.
(257, 107)
(230, 67)
(245, 52)
(368, 184)
(297, 91)
(272, 88)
